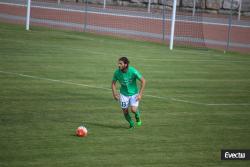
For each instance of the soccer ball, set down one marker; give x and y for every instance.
(81, 131)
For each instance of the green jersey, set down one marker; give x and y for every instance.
(127, 81)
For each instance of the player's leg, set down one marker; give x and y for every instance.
(128, 118)
(124, 102)
(136, 111)
(134, 108)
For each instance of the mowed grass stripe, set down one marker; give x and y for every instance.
(152, 96)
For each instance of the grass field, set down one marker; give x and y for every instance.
(196, 102)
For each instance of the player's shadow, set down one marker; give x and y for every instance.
(111, 126)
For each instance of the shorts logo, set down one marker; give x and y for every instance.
(235, 154)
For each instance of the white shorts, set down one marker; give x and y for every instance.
(126, 101)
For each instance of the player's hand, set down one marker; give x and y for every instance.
(138, 98)
(116, 96)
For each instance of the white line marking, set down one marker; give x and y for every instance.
(232, 104)
(126, 15)
(54, 80)
(193, 60)
(96, 87)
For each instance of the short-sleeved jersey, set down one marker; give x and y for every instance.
(127, 80)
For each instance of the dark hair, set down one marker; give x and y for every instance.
(125, 60)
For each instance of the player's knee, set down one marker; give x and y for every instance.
(125, 111)
(133, 109)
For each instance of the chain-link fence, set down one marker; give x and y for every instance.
(220, 24)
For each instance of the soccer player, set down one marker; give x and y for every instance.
(129, 95)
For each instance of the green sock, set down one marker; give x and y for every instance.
(137, 115)
(128, 118)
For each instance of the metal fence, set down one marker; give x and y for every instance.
(193, 27)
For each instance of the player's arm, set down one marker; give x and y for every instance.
(143, 83)
(113, 87)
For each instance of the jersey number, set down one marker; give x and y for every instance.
(123, 104)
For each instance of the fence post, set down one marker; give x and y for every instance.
(163, 20)
(194, 7)
(104, 4)
(28, 15)
(149, 4)
(172, 25)
(229, 26)
(86, 14)
(239, 12)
